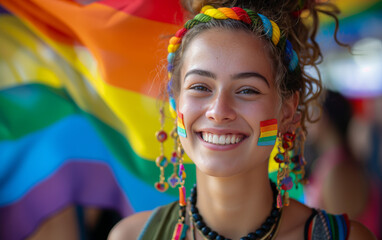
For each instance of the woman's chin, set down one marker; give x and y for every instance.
(217, 168)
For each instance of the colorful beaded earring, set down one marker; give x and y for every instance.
(161, 161)
(297, 158)
(284, 180)
(181, 227)
(174, 180)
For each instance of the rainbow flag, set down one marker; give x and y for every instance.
(268, 132)
(181, 128)
(78, 107)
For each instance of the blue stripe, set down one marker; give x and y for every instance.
(269, 143)
(268, 30)
(182, 132)
(36, 156)
(340, 225)
(328, 223)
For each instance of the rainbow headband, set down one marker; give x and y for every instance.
(270, 29)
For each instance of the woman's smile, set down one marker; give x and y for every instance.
(224, 97)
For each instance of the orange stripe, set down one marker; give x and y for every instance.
(268, 128)
(128, 49)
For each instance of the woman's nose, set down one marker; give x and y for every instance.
(221, 109)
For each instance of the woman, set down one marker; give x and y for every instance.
(237, 82)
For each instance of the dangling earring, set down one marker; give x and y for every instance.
(284, 180)
(174, 180)
(298, 158)
(161, 161)
(181, 227)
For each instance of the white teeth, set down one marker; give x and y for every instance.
(205, 135)
(222, 139)
(215, 139)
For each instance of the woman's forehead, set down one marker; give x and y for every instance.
(228, 51)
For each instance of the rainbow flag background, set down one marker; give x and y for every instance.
(78, 107)
(79, 82)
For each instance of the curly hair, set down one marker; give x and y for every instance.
(286, 14)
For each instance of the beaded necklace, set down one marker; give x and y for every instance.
(268, 230)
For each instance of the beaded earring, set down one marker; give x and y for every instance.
(174, 180)
(161, 161)
(298, 158)
(181, 227)
(284, 180)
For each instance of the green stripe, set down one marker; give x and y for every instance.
(28, 108)
(266, 139)
(333, 227)
(31, 107)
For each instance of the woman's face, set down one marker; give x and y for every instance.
(227, 89)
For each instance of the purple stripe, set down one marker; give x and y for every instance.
(76, 182)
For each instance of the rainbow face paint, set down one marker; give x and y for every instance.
(268, 133)
(181, 129)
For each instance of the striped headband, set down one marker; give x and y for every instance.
(270, 29)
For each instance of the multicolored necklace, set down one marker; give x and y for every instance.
(267, 230)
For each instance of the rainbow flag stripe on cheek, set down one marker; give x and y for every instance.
(268, 132)
(181, 128)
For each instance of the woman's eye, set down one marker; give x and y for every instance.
(249, 91)
(199, 88)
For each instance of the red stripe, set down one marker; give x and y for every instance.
(243, 15)
(310, 230)
(347, 225)
(180, 33)
(167, 11)
(268, 122)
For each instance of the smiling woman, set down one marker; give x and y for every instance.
(237, 81)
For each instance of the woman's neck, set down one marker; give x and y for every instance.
(234, 206)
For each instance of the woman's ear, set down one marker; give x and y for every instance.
(290, 118)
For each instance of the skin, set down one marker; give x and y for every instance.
(62, 225)
(227, 86)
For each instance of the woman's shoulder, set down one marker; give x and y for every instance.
(359, 231)
(147, 225)
(302, 222)
(294, 219)
(130, 227)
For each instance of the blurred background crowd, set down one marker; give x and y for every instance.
(78, 111)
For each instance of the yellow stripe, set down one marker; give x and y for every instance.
(268, 133)
(134, 115)
(23, 56)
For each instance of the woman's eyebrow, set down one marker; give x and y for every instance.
(250, 75)
(200, 72)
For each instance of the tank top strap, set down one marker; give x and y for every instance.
(322, 226)
(161, 223)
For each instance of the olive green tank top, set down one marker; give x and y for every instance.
(161, 223)
(320, 225)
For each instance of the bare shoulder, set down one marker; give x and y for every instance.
(130, 227)
(359, 231)
(293, 220)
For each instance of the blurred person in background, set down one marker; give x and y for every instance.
(339, 181)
